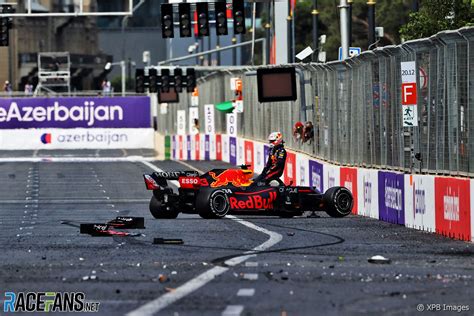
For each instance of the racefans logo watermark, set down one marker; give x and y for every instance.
(48, 302)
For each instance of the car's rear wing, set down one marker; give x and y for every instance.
(159, 179)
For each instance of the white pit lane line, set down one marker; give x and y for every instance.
(192, 285)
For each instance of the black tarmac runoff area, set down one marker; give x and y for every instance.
(240, 265)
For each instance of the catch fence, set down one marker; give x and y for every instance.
(355, 107)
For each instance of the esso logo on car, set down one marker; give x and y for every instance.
(188, 182)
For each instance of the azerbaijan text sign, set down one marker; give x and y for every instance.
(83, 112)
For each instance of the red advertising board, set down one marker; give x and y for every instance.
(453, 207)
(197, 147)
(248, 147)
(218, 147)
(180, 146)
(409, 93)
(290, 169)
(349, 180)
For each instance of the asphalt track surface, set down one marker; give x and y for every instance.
(310, 266)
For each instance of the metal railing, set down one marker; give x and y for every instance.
(355, 107)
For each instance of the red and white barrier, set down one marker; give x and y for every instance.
(348, 179)
(331, 176)
(368, 197)
(302, 170)
(472, 209)
(419, 202)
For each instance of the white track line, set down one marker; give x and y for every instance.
(246, 292)
(250, 276)
(233, 310)
(192, 285)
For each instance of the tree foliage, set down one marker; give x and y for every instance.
(438, 15)
(390, 14)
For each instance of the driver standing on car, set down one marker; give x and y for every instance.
(276, 160)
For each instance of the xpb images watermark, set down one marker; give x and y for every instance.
(442, 307)
(48, 302)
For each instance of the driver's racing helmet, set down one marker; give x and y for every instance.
(275, 139)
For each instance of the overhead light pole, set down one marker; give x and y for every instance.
(371, 16)
(349, 2)
(122, 64)
(315, 14)
(344, 12)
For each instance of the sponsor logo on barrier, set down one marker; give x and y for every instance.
(232, 150)
(348, 184)
(173, 147)
(316, 175)
(46, 138)
(451, 205)
(198, 147)
(367, 195)
(253, 202)
(290, 168)
(207, 147)
(85, 112)
(130, 112)
(393, 195)
(302, 174)
(249, 151)
(188, 147)
(332, 181)
(348, 179)
(87, 137)
(218, 147)
(316, 178)
(419, 200)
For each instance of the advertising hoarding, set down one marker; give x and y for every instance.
(84, 112)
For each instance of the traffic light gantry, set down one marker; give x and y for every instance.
(201, 18)
(6, 24)
(164, 81)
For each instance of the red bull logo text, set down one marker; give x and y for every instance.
(252, 202)
(236, 177)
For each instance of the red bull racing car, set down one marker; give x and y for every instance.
(222, 191)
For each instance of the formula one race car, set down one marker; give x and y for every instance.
(221, 191)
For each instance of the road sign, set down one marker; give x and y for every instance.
(409, 93)
(410, 115)
(353, 51)
(423, 78)
(408, 71)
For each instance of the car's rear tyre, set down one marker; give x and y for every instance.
(338, 202)
(213, 205)
(159, 210)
